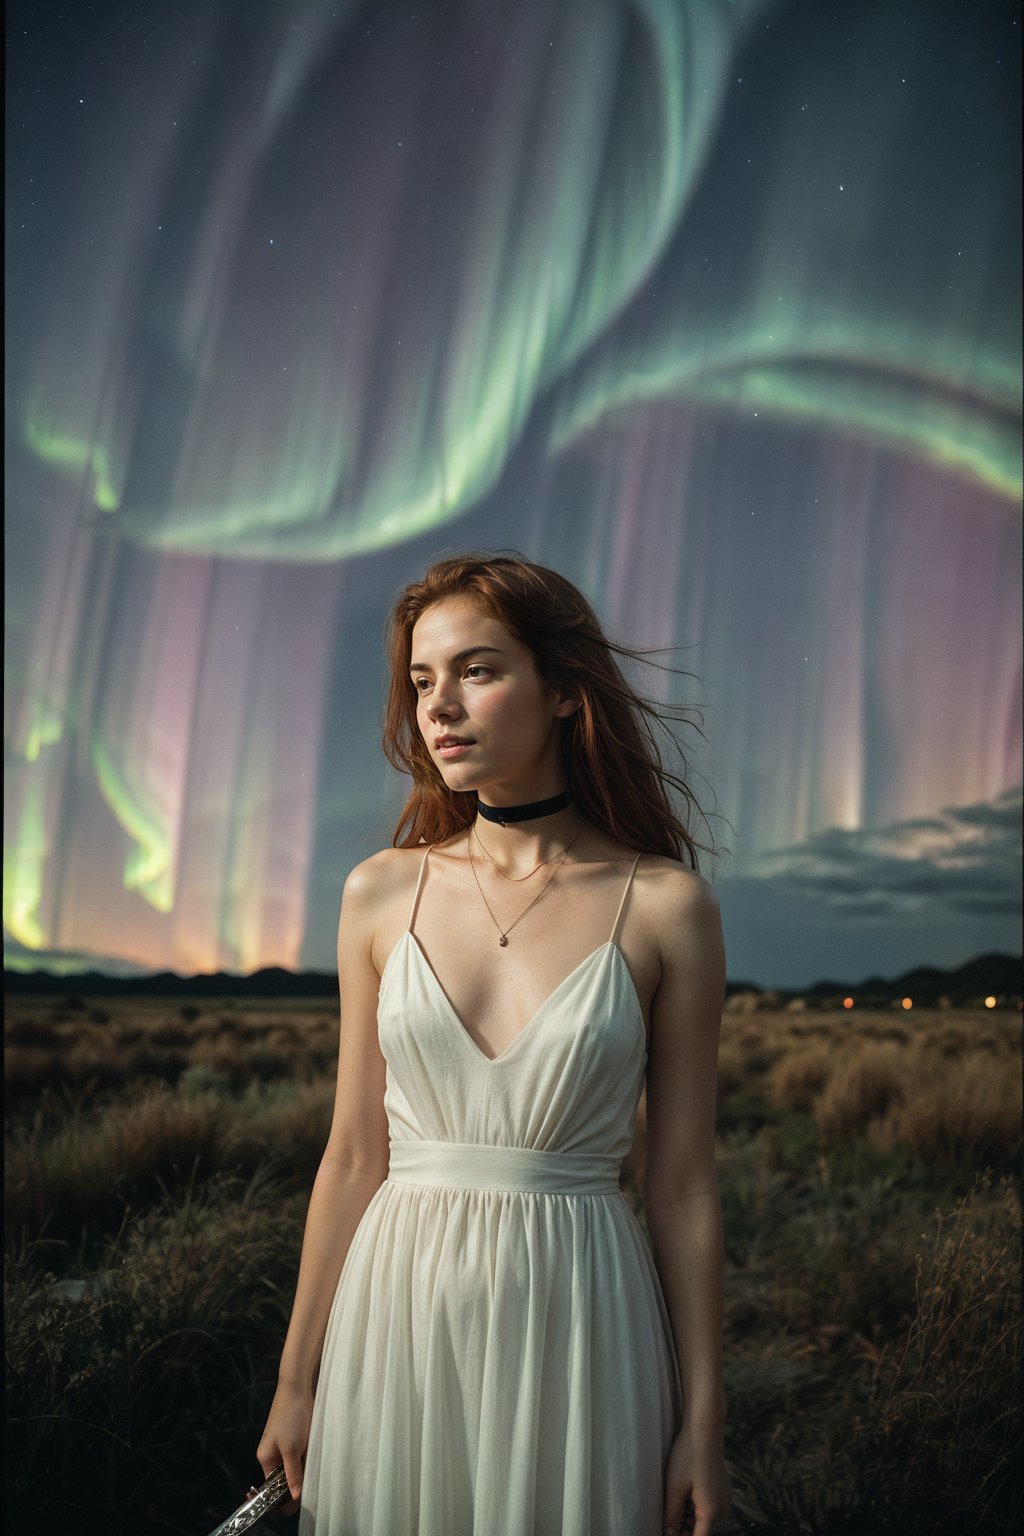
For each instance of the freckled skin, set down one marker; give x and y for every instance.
(493, 696)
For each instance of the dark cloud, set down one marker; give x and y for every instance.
(966, 859)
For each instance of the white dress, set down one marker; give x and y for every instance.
(498, 1359)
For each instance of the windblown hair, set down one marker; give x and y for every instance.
(613, 765)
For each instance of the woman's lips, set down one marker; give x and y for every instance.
(455, 749)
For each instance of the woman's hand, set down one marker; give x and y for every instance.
(696, 1492)
(285, 1439)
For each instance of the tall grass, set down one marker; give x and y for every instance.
(158, 1164)
(946, 1408)
(134, 1398)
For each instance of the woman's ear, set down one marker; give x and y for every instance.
(566, 706)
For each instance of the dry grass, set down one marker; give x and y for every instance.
(51, 1046)
(865, 1085)
(733, 1070)
(80, 1172)
(947, 1403)
(133, 1391)
(799, 1077)
(972, 1115)
(945, 1090)
(158, 1160)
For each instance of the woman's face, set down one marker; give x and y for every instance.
(488, 723)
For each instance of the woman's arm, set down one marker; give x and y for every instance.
(681, 1197)
(354, 1165)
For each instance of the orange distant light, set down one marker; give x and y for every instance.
(990, 1002)
(847, 1002)
(908, 1002)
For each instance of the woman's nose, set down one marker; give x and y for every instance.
(443, 703)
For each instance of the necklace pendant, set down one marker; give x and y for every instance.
(503, 940)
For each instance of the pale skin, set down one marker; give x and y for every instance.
(477, 682)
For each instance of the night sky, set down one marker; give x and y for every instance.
(713, 306)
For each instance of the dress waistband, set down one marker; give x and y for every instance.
(469, 1165)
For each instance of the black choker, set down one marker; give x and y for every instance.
(504, 814)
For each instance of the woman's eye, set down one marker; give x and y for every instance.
(476, 672)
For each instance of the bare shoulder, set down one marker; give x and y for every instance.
(382, 876)
(665, 880)
(679, 905)
(375, 890)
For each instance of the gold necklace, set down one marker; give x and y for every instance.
(518, 879)
(504, 933)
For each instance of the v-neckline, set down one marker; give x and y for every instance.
(528, 1026)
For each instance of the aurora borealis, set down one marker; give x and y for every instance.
(714, 306)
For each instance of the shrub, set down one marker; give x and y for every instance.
(146, 1318)
(171, 1034)
(291, 1130)
(971, 1116)
(125, 1395)
(83, 1176)
(863, 1086)
(269, 1065)
(38, 1033)
(732, 1068)
(943, 1440)
(796, 1081)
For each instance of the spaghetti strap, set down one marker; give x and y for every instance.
(622, 903)
(419, 887)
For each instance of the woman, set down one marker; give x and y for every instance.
(503, 1356)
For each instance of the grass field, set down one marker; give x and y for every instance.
(159, 1157)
